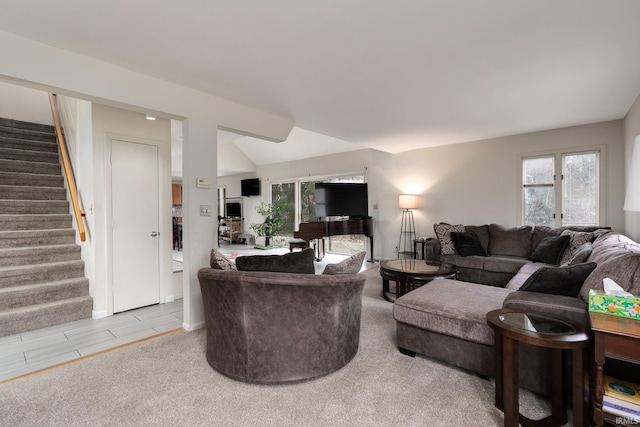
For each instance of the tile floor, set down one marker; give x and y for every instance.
(32, 351)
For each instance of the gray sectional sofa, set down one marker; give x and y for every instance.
(446, 319)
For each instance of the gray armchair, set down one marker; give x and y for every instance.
(267, 327)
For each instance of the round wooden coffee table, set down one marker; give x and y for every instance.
(410, 274)
(513, 327)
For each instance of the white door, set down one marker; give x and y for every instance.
(135, 225)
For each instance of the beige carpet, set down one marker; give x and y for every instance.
(167, 382)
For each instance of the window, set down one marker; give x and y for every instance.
(284, 194)
(298, 201)
(575, 201)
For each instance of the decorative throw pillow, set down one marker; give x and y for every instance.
(220, 262)
(578, 238)
(443, 233)
(580, 255)
(293, 262)
(467, 243)
(351, 265)
(565, 281)
(550, 250)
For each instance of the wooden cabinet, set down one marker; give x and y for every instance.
(618, 338)
(231, 230)
(176, 194)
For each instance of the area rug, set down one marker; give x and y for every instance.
(167, 382)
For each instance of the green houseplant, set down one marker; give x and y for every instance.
(273, 221)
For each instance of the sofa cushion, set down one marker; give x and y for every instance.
(293, 262)
(578, 238)
(580, 255)
(220, 262)
(476, 262)
(565, 281)
(351, 265)
(550, 250)
(512, 241)
(611, 245)
(624, 270)
(504, 264)
(443, 233)
(450, 307)
(467, 243)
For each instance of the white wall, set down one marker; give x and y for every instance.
(44, 67)
(232, 160)
(631, 131)
(22, 103)
(75, 119)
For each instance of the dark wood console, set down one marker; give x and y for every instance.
(318, 230)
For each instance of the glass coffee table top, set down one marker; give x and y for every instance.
(537, 323)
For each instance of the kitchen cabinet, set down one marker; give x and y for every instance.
(176, 194)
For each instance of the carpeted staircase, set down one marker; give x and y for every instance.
(42, 279)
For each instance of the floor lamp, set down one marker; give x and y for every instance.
(407, 202)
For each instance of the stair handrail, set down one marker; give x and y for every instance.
(78, 213)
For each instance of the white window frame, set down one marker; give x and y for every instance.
(558, 165)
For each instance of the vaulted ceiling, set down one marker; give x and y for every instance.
(387, 75)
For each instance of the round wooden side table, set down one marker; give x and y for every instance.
(513, 327)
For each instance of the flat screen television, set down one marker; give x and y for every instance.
(250, 187)
(234, 209)
(342, 199)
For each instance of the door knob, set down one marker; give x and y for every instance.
(154, 234)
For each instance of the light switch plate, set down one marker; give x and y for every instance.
(205, 210)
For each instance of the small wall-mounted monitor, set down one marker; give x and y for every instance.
(250, 187)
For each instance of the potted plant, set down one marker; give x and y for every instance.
(272, 221)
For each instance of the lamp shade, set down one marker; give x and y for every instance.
(632, 199)
(408, 201)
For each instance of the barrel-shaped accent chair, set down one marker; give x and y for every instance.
(266, 327)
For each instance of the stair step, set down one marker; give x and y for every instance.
(31, 179)
(25, 166)
(26, 295)
(15, 192)
(19, 320)
(34, 222)
(33, 207)
(7, 141)
(40, 273)
(28, 238)
(19, 124)
(31, 156)
(39, 254)
(27, 134)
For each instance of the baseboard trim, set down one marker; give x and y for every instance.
(99, 314)
(192, 327)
